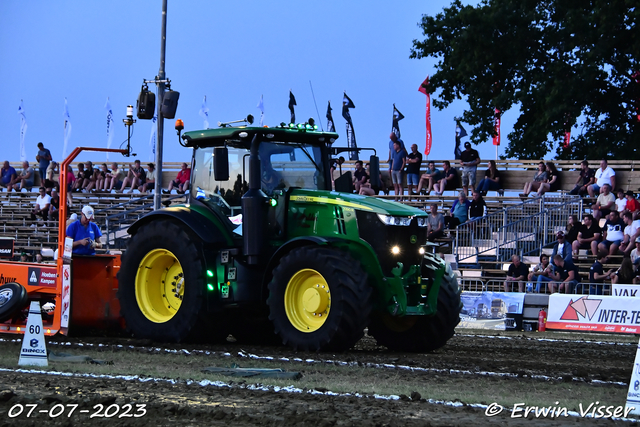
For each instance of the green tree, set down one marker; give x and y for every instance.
(561, 62)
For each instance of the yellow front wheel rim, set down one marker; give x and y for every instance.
(307, 300)
(159, 285)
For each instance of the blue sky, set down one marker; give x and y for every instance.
(232, 52)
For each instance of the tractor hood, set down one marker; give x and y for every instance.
(356, 201)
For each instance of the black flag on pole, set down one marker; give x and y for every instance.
(395, 126)
(460, 133)
(351, 135)
(292, 102)
(330, 125)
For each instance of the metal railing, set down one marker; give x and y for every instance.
(522, 229)
(581, 288)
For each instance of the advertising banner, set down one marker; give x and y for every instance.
(488, 310)
(65, 312)
(626, 290)
(633, 395)
(594, 313)
(6, 247)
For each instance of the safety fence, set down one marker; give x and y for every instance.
(494, 285)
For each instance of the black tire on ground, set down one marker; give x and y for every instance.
(350, 299)
(191, 322)
(422, 333)
(13, 298)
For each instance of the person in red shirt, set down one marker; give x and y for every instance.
(181, 183)
(633, 205)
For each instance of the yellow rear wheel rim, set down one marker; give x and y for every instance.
(307, 300)
(159, 285)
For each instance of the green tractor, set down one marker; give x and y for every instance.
(265, 250)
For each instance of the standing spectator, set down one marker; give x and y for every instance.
(41, 207)
(539, 177)
(573, 228)
(632, 204)
(621, 201)
(540, 274)
(449, 180)
(588, 236)
(604, 175)
(459, 211)
(136, 177)
(597, 274)
(477, 207)
(8, 176)
(553, 180)
(77, 186)
(360, 176)
(517, 273)
(49, 181)
(43, 158)
(491, 181)
(613, 234)
(435, 224)
(604, 203)
(586, 178)
(469, 160)
(398, 162)
(431, 176)
(150, 182)
(565, 276)
(625, 273)
(90, 177)
(562, 248)
(25, 179)
(414, 161)
(631, 233)
(114, 179)
(181, 182)
(392, 139)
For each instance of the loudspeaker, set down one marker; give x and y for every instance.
(344, 184)
(169, 104)
(146, 104)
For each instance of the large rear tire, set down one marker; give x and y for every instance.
(13, 298)
(422, 333)
(319, 299)
(162, 285)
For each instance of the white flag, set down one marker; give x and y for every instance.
(204, 112)
(261, 107)
(67, 129)
(110, 125)
(152, 138)
(23, 131)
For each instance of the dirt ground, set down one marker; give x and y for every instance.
(535, 362)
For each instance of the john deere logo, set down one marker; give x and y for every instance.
(413, 238)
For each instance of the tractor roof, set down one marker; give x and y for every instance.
(244, 135)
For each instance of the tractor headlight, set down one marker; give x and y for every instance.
(395, 220)
(422, 222)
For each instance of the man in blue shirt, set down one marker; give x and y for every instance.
(43, 158)
(398, 162)
(85, 233)
(9, 176)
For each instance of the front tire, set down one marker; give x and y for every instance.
(319, 299)
(422, 333)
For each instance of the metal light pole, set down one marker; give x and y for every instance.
(157, 193)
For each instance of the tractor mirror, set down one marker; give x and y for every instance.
(221, 164)
(374, 171)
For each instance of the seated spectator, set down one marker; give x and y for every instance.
(39, 259)
(150, 182)
(565, 276)
(135, 178)
(49, 181)
(597, 275)
(459, 212)
(77, 186)
(573, 228)
(604, 175)
(8, 176)
(621, 201)
(631, 233)
(604, 204)
(367, 189)
(90, 177)
(625, 273)
(539, 177)
(24, 257)
(478, 207)
(450, 180)
(360, 176)
(26, 178)
(633, 205)
(586, 178)
(491, 181)
(588, 236)
(41, 207)
(102, 177)
(517, 274)
(540, 274)
(114, 179)
(54, 206)
(552, 182)
(613, 234)
(435, 224)
(181, 182)
(562, 248)
(431, 176)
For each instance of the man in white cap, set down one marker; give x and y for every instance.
(85, 233)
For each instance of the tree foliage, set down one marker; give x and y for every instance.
(563, 63)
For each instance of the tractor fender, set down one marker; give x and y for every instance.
(209, 229)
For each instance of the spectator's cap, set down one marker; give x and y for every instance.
(630, 193)
(467, 144)
(638, 240)
(560, 234)
(88, 212)
(23, 253)
(151, 165)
